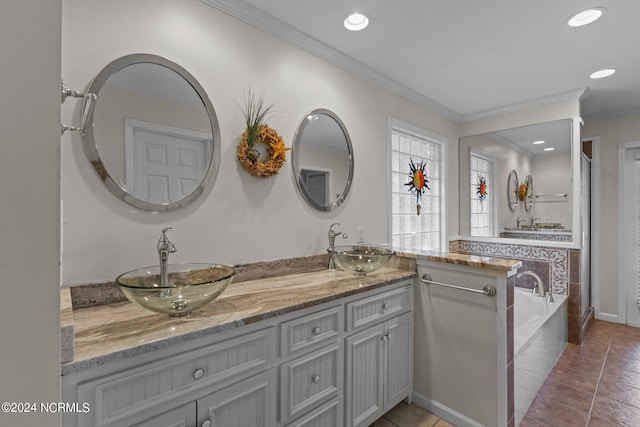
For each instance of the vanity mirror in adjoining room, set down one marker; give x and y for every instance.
(152, 136)
(322, 158)
(495, 203)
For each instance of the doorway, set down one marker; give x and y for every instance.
(164, 163)
(629, 233)
(317, 183)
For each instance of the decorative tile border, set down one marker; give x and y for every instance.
(558, 259)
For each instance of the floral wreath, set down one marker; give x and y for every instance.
(250, 158)
(258, 132)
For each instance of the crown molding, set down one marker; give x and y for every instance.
(279, 29)
(576, 94)
(271, 25)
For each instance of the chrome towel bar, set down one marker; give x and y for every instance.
(488, 290)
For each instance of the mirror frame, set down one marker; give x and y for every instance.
(512, 190)
(295, 163)
(528, 200)
(91, 149)
(576, 225)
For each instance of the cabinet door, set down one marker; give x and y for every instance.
(249, 403)
(364, 391)
(182, 416)
(398, 380)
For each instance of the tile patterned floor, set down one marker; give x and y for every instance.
(594, 384)
(404, 415)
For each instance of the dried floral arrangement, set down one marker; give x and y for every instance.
(255, 113)
(522, 192)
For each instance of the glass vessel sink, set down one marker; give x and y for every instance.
(188, 287)
(360, 259)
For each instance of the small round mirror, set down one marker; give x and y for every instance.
(512, 190)
(322, 158)
(528, 200)
(152, 136)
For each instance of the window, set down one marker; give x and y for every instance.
(408, 229)
(482, 210)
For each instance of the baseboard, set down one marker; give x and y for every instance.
(607, 317)
(444, 412)
(587, 319)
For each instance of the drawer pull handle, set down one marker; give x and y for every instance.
(315, 379)
(207, 423)
(198, 373)
(316, 330)
(385, 306)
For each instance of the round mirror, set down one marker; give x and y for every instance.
(512, 190)
(528, 200)
(152, 135)
(322, 159)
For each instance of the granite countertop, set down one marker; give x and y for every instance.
(110, 332)
(477, 261)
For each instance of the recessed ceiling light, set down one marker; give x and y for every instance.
(356, 22)
(549, 149)
(538, 142)
(586, 17)
(606, 72)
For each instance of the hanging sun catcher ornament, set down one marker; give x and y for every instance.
(482, 188)
(418, 183)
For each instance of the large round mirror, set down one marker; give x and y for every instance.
(152, 135)
(322, 160)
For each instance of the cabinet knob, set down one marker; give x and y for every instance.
(316, 330)
(207, 423)
(384, 338)
(385, 306)
(197, 374)
(315, 379)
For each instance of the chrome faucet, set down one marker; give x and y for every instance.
(538, 286)
(165, 247)
(533, 219)
(332, 240)
(518, 221)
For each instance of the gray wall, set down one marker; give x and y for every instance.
(30, 218)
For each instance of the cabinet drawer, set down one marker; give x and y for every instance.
(368, 311)
(309, 380)
(328, 415)
(119, 396)
(310, 330)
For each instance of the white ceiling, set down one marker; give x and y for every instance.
(470, 58)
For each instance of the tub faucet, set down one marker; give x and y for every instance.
(165, 247)
(538, 286)
(332, 239)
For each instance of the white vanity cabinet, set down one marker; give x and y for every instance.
(380, 357)
(285, 370)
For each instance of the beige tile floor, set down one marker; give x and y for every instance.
(410, 415)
